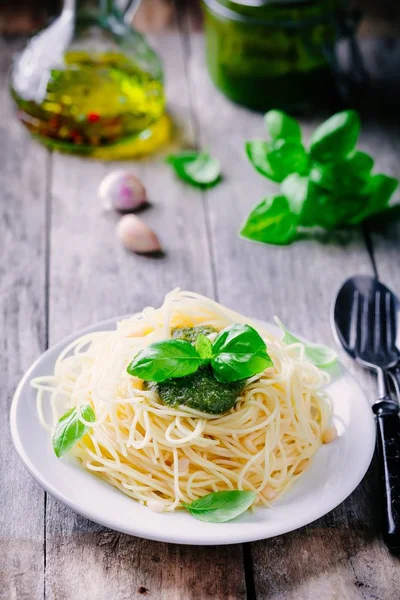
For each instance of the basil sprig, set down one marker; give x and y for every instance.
(238, 352)
(321, 356)
(197, 168)
(219, 507)
(70, 428)
(329, 186)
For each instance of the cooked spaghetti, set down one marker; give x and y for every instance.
(163, 456)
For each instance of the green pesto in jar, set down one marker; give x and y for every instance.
(273, 53)
(200, 390)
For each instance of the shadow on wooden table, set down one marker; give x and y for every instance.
(331, 554)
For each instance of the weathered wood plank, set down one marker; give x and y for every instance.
(340, 555)
(383, 142)
(23, 175)
(92, 278)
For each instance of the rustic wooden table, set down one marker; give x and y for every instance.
(62, 269)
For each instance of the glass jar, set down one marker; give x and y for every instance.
(275, 53)
(90, 84)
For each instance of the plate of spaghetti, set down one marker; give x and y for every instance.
(193, 424)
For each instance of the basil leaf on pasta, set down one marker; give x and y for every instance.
(219, 507)
(204, 347)
(70, 428)
(164, 360)
(239, 352)
(321, 356)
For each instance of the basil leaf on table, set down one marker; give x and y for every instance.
(197, 168)
(298, 189)
(164, 360)
(239, 352)
(305, 199)
(346, 175)
(257, 152)
(317, 206)
(360, 162)
(378, 191)
(321, 356)
(220, 507)
(282, 127)
(277, 161)
(336, 210)
(70, 429)
(204, 347)
(336, 137)
(271, 222)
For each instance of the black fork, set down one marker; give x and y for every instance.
(372, 342)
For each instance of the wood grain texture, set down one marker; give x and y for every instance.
(23, 174)
(92, 277)
(341, 555)
(383, 141)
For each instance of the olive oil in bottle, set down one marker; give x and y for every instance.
(90, 84)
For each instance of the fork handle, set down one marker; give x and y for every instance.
(388, 446)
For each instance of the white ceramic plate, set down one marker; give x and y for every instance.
(335, 472)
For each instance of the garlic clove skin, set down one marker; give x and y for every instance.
(136, 236)
(122, 191)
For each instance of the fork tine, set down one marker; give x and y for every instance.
(365, 318)
(353, 320)
(362, 319)
(390, 320)
(378, 314)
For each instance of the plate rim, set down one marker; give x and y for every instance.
(212, 539)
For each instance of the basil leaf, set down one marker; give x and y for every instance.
(278, 161)
(271, 222)
(298, 190)
(330, 210)
(204, 347)
(257, 152)
(286, 158)
(346, 175)
(321, 356)
(280, 126)
(378, 191)
(361, 162)
(219, 507)
(197, 168)
(70, 429)
(336, 137)
(239, 352)
(163, 360)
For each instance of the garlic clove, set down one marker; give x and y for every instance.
(122, 191)
(137, 236)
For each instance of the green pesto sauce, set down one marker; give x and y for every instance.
(190, 334)
(200, 390)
